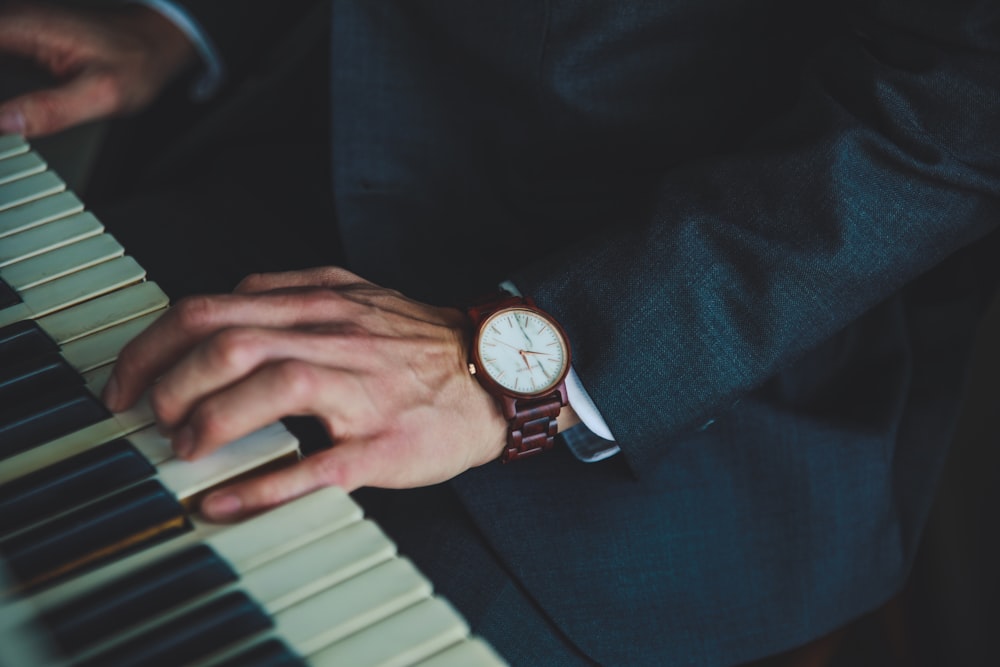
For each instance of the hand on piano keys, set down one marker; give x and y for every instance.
(386, 375)
(96, 525)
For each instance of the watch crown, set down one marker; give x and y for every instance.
(472, 368)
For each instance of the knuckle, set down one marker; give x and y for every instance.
(108, 88)
(126, 364)
(194, 313)
(211, 424)
(330, 470)
(160, 402)
(43, 113)
(252, 283)
(234, 348)
(323, 300)
(340, 275)
(298, 379)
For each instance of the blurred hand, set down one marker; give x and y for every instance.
(109, 63)
(386, 375)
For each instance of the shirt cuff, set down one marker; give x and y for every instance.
(214, 73)
(594, 442)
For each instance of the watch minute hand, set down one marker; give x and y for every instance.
(519, 350)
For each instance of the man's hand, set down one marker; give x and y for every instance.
(109, 63)
(387, 376)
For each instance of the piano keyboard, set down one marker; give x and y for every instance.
(103, 558)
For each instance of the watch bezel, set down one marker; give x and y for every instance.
(495, 387)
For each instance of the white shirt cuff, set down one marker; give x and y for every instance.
(585, 409)
(214, 74)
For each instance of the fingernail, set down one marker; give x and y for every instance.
(221, 505)
(111, 392)
(183, 442)
(12, 122)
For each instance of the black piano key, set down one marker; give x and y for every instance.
(271, 653)
(27, 379)
(70, 483)
(114, 526)
(8, 297)
(24, 340)
(209, 628)
(136, 598)
(30, 423)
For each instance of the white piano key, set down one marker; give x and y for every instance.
(185, 479)
(292, 526)
(116, 426)
(92, 355)
(148, 441)
(472, 652)
(25, 164)
(41, 239)
(72, 289)
(412, 635)
(12, 144)
(90, 352)
(152, 445)
(293, 577)
(333, 611)
(102, 312)
(22, 639)
(61, 262)
(38, 212)
(352, 606)
(254, 542)
(318, 565)
(29, 189)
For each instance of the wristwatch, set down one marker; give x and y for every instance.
(521, 356)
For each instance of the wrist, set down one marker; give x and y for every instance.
(568, 418)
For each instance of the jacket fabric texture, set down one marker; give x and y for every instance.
(766, 229)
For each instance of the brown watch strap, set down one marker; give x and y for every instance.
(482, 308)
(533, 427)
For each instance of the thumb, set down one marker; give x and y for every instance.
(86, 97)
(346, 464)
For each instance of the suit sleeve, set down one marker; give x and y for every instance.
(888, 162)
(242, 31)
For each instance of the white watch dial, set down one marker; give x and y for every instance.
(522, 351)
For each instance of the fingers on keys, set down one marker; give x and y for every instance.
(272, 391)
(349, 466)
(193, 320)
(87, 97)
(226, 358)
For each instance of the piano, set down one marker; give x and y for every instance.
(103, 559)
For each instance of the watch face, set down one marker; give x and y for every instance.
(522, 351)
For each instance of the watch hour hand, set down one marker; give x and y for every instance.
(525, 357)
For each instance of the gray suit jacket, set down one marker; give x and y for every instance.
(761, 227)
